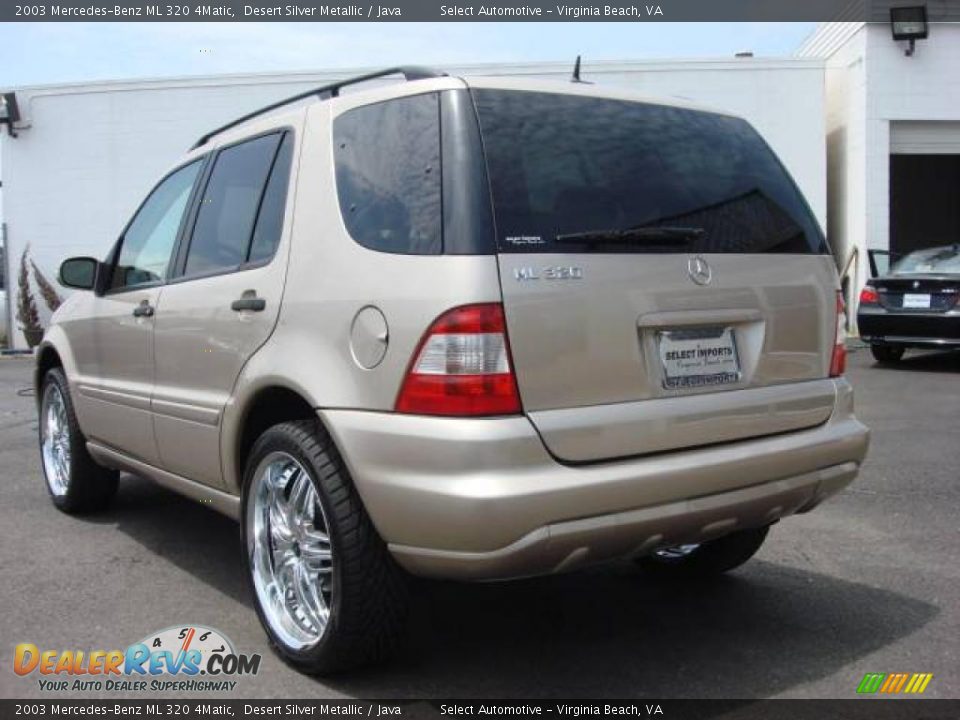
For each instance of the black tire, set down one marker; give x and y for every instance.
(89, 487)
(710, 558)
(368, 597)
(887, 353)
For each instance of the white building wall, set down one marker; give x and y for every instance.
(845, 83)
(925, 86)
(870, 86)
(89, 153)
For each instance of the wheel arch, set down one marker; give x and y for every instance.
(259, 409)
(47, 358)
(55, 350)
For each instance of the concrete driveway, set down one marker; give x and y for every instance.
(867, 583)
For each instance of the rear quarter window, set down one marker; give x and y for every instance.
(387, 158)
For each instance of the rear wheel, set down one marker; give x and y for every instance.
(75, 482)
(326, 589)
(887, 353)
(710, 558)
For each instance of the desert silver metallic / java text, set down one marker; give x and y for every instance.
(290, 551)
(55, 446)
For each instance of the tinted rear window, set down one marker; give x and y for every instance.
(562, 165)
(388, 174)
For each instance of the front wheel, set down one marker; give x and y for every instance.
(887, 353)
(705, 559)
(74, 480)
(326, 589)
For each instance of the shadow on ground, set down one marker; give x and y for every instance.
(922, 361)
(605, 632)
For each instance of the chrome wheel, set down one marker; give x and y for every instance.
(55, 440)
(678, 552)
(290, 553)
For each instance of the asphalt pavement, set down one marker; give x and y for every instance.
(868, 582)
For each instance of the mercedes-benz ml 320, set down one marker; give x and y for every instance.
(462, 328)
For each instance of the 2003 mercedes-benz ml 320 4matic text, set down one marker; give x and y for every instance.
(473, 329)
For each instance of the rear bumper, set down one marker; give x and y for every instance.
(879, 325)
(483, 499)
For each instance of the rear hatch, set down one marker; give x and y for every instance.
(664, 283)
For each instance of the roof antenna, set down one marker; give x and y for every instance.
(576, 73)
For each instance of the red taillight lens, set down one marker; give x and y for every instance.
(868, 296)
(462, 366)
(838, 358)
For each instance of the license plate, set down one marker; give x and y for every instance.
(697, 357)
(916, 301)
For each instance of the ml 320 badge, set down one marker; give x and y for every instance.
(550, 272)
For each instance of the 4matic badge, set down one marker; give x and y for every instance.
(170, 660)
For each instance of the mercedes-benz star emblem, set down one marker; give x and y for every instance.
(699, 271)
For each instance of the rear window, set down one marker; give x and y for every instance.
(945, 260)
(387, 158)
(577, 174)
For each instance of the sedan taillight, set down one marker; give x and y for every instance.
(868, 296)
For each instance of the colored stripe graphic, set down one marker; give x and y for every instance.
(894, 683)
(871, 683)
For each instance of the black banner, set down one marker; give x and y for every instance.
(859, 709)
(464, 10)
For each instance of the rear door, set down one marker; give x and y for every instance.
(665, 285)
(223, 301)
(113, 344)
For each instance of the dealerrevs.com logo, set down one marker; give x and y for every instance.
(181, 658)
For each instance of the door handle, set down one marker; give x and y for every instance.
(144, 309)
(249, 301)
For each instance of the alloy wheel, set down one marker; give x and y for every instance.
(291, 556)
(55, 442)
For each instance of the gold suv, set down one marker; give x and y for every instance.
(463, 328)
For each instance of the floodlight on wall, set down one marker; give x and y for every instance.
(9, 112)
(910, 24)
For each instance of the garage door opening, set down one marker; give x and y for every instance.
(924, 201)
(924, 184)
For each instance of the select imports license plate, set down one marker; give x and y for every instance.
(698, 357)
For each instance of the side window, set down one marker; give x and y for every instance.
(266, 233)
(225, 221)
(148, 242)
(388, 174)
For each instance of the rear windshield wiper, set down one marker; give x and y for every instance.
(653, 235)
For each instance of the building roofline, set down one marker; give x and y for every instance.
(332, 75)
(827, 38)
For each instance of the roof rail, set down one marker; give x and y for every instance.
(409, 72)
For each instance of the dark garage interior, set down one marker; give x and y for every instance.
(924, 201)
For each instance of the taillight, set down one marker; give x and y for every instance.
(838, 358)
(868, 296)
(462, 366)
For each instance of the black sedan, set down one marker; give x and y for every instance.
(916, 304)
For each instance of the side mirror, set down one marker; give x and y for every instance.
(79, 273)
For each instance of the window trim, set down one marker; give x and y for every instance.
(114, 256)
(177, 274)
